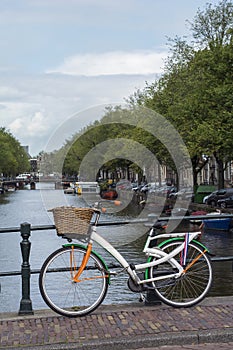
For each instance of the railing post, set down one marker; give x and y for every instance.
(25, 244)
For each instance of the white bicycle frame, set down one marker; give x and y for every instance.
(155, 252)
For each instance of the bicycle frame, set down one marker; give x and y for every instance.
(156, 252)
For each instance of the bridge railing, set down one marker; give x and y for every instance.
(25, 230)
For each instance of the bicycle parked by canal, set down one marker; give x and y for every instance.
(74, 279)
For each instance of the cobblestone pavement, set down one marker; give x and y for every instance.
(131, 326)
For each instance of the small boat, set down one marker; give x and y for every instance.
(69, 190)
(109, 194)
(218, 224)
(197, 213)
(11, 189)
(222, 224)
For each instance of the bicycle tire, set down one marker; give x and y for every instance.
(192, 286)
(68, 298)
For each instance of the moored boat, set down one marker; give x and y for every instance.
(69, 190)
(197, 213)
(219, 224)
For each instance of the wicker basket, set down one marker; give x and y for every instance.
(71, 221)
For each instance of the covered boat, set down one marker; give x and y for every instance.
(222, 224)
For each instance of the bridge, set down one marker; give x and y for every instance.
(14, 184)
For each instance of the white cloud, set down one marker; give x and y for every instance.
(48, 101)
(29, 125)
(16, 125)
(113, 63)
(37, 124)
(8, 93)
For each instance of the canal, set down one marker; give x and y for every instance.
(31, 206)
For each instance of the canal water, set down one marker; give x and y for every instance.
(32, 206)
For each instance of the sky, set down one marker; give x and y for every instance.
(61, 58)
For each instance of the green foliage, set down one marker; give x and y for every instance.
(112, 142)
(195, 92)
(213, 26)
(13, 158)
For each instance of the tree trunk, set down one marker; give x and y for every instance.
(220, 171)
(195, 173)
(220, 174)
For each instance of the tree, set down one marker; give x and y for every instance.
(195, 91)
(13, 158)
(88, 140)
(213, 27)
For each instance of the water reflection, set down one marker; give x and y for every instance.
(28, 206)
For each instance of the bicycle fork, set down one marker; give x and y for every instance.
(77, 272)
(75, 277)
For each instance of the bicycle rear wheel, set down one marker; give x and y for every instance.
(61, 293)
(190, 288)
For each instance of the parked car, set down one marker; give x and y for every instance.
(153, 188)
(204, 201)
(123, 185)
(225, 202)
(213, 198)
(136, 187)
(148, 187)
(184, 193)
(165, 191)
(23, 177)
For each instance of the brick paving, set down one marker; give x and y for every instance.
(131, 326)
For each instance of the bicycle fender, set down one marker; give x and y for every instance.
(93, 252)
(182, 239)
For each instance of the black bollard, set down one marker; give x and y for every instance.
(25, 303)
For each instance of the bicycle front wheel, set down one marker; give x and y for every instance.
(61, 293)
(190, 288)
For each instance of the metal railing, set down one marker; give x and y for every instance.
(25, 230)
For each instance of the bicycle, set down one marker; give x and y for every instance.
(74, 279)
